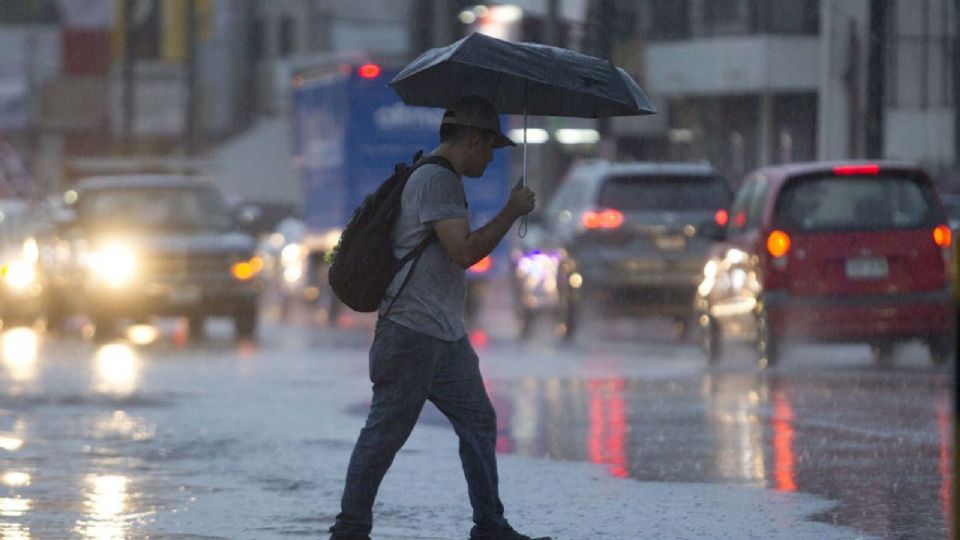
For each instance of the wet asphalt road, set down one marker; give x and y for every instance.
(109, 440)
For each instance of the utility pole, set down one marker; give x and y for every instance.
(876, 78)
(190, 122)
(956, 93)
(421, 27)
(602, 20)
(127, 76)
(551, 29)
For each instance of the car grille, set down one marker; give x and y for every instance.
(183, 266)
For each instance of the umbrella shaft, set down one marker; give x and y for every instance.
(524, 174)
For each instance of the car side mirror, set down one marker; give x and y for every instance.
(246, 216)
(712, 230)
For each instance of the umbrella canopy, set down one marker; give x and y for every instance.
(521, 78)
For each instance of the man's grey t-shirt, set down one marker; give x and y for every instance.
(434, 298)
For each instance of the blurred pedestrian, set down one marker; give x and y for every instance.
(420, 349)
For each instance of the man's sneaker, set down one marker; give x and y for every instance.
(503, 534)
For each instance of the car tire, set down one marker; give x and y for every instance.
(197, 326)
(333, 308)
(768, 348)
(569, 317)
(526, 319)
(286, 308)
(245, 320)
(941, 349)
(105, 327)
(882, 353)
(710, 340)
(56, 316)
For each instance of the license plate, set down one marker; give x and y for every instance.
(671, 242)
(867, 268)
(185, 295)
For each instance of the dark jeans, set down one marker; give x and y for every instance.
(407, 368)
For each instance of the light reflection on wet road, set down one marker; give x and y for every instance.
(877, 441)
(101, 440)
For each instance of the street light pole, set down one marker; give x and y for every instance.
(190, 122)
(876, 79)
(127, 76)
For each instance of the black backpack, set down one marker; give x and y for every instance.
(363, 261)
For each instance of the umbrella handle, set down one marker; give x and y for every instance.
(522, 230)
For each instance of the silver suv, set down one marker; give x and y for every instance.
(623, 237)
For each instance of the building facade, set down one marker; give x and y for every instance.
(744, 83)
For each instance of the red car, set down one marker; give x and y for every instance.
(830, 252)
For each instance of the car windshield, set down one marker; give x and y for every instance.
(159, 208)
(855, 203)
(663, 192)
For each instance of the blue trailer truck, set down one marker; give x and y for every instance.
(349, 130)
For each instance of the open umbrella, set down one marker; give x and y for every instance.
(521, 78)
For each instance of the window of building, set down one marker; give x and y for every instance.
(919, 54)
(725, 17)
(287, 36)
(667, 19)
(785, 16)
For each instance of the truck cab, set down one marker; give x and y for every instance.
(349, 131)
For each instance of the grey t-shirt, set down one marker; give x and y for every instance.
(434, 298)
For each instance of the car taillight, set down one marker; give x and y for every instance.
(721, 217)
(482, 266)
(943, 236)
(857, 170)
(602, 219)
(740, 220)
(778, 244)
(369, 71)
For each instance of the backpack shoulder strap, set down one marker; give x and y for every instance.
(415, 255)
(416, 252)
(436, 160)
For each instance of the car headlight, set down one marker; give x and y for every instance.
(19, 274)
(114, 264)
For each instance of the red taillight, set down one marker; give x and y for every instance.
(483, 265)
(778, 243)
(721, 217)
(943, 236)
(604, 219)
(369, 71)
(856, 170)
(740, 220)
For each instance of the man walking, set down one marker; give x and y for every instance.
(420, 349)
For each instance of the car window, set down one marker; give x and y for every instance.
(663, 192)
(558, 201)
(741, 206)
(856, 203)
(159, 208)
(756, 203)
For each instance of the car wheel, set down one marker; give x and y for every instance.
(768, 349)
(286, 307)
(569, 317)
(56, 316)
(198, 326)
(106, 327)
(710, 342)
(940, 348)
(527, 318)
(245, 320)
(882, 353)
(333, 308)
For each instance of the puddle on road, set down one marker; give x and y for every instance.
(844, 438)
